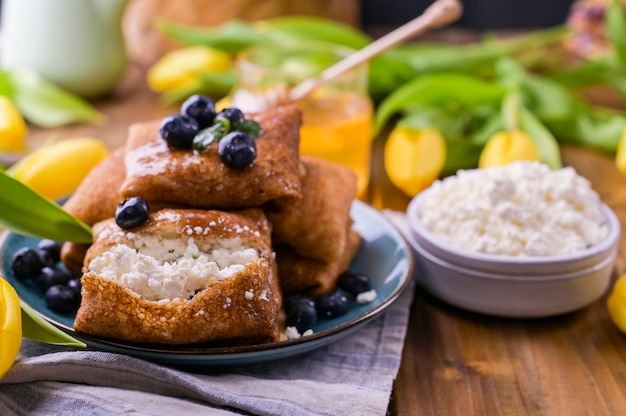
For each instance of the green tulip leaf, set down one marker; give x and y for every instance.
(616, 26)
(545, 141)
(311, 28)
(26, 212)
(38, 329)
(440, 89)
(233, 36)
(46, 105)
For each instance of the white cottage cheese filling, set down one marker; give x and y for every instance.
(522, 209)
(164, 269)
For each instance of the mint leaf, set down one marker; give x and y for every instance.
(206, 137)
(250, 127)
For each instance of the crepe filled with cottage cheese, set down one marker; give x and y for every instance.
(158, 173)
(185, 276)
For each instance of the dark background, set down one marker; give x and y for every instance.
(478, 14)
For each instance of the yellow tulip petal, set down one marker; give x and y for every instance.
(10, 326)
(180, 67)
(507, 147)
(55, 170)
(616, 303)
(225, 102)
(13, 128)
(414, 158)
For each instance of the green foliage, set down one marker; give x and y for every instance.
(26, 212)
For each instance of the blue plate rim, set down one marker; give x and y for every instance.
(249, 353)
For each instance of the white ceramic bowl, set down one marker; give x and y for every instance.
(511, 286)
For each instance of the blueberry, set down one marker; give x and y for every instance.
(300, 312)
(26, 263)
(131, 213)
(46, 258)
(179, 130)
(199, 108)
(237, 150)
(52, 247)
(234, 115)
(62, 299)
(354, 282)
(75, 284)
(49, 277)
(332, 305)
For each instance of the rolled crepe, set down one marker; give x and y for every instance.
(299, 274)
(315, 225)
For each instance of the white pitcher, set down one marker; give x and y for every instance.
(76, 44)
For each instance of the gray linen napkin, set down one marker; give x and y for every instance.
(353, 376)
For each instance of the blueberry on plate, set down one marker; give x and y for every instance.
(354, 282)
(300, 312)
(62, 299)
(49, 277)
(199, 108)
(75, 284)
(52, 247)
(237, 150)
(179, 130)
(234, 115)
(332, 305)
(26, 263)
(132, 212)
(46, 258)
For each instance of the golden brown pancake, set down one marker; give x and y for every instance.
(299, 274)
(315, 225)
(242, 308)
(156, 172)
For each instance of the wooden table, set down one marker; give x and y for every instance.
(456, 362)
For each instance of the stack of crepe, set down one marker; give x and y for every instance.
(293, 211)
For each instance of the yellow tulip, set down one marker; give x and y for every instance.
(180, 68)
(414, 158)
(616, 303)
(506, 147)
(13, 128)
(56, 169)
(10, 326)
(620, 157)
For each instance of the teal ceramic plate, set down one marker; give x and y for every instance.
(384, 256)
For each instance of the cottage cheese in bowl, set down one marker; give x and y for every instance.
(521, 240)
(521, 209)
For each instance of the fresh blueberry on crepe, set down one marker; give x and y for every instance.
(199, 108)
(232, 114)
(179, 130)
(131, 213)
(237, 150)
